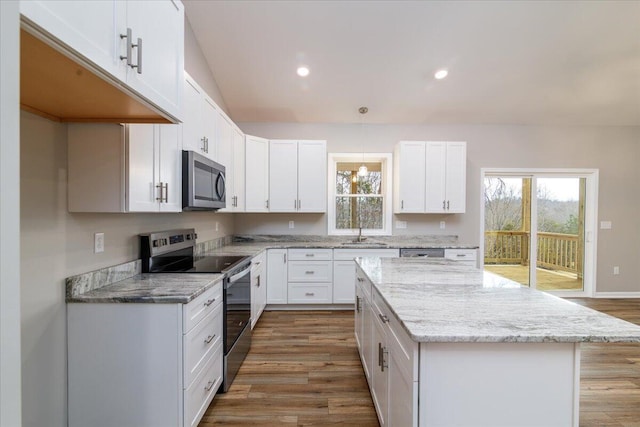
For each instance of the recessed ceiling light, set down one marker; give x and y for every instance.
(441, 74)
(303, 71)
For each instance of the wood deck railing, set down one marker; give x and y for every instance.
(555, 251)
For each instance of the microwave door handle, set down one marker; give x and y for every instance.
(220, 192)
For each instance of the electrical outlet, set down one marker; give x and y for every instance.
(401, 224)
(442, 225)
(616, 270)
(98, 243)
(605, 225)
(291, 224)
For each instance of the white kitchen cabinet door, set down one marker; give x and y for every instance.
(410, 177)
(277, 280)
(154, 169)
(210, 123)
(143, 175)
(89, 28)
(192, 124)
(344, 278)
(283, 176)
(312, 176)
(456, 176)
(380, 370)
(258, 287)
(403, 391)
(159, 61)
(446, 177)
(238, 170)
(170, 167)
(224, 156)
(436, 156)
(256, 174)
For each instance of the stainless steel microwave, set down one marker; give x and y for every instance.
(203, 183)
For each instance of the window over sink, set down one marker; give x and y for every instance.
(359, 197)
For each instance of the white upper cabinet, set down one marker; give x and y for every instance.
(122, 41)
(132, 168)
(297, 176)
(257, 174)
(430, 177)
(200, 120)
(157, 68)
(230, 154)
(410, 177)
(283, 176)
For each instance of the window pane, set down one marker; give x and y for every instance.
(348, 181)
(370, 184)
(343, 182)
(356, 212)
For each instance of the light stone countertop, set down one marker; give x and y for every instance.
(179, 288)
(436, 301)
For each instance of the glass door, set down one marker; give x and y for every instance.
(556, 236)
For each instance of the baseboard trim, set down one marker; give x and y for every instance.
(617, 295)
(309, 307)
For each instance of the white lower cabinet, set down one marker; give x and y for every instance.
(310, 276)
(389, 358)
(277, 276)
(344, 271)
(465, 256)
(258, 287)
(144, 365)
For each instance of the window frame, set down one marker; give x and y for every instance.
(386, 159)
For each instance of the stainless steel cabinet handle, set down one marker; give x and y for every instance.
(310, 294)
(209, 386)
(309, 272)
(402, 204)
(380, 354)
(299, 204)
(295, 204)
(129, 47)
(385, 358)
(383, 318)
(209, 302)
(209, 338)
(159, 186)
(284, 257)
(204, 143)
(443, 205)
(309, 255)
(447, 205)
(138, 66)
(460, 255)
(357, 304)
(267, 203)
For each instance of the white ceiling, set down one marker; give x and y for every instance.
(517, 62)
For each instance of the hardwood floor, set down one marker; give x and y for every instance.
(303, 370)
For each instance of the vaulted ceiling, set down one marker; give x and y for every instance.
(516, 62)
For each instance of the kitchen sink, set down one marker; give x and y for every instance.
(365, 243)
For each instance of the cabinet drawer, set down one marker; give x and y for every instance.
(311, 271)
(310, 254)
(469, 255)
(348, 254)
(198, 397)
(304, 293)
(204, 304)
(200, 342)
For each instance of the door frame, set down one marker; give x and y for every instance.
(590, 221)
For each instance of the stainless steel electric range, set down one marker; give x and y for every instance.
(174, 252)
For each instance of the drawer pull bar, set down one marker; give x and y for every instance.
(308, 272)
(209, 339)
(384, 318)
(209, 386)
(209, 302)
(309, 255)
(309, 294)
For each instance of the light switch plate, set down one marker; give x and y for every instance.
(292, 224)
(442, 225)
(98, 243)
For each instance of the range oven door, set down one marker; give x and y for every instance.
(237, 300)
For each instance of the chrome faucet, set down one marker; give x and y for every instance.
(360, 238)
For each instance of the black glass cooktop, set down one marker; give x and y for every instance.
(216, 264)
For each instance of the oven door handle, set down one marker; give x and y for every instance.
(239, 276)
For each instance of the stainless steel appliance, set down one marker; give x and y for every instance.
(203, 183)
(422, 252)
(173, 252)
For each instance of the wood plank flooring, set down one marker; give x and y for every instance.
(303, 370)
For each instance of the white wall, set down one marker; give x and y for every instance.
(10, 383)
(56, 244)
(615, 151)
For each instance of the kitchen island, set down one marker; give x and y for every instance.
(450, 345)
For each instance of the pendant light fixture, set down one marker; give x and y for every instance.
(362, 170)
